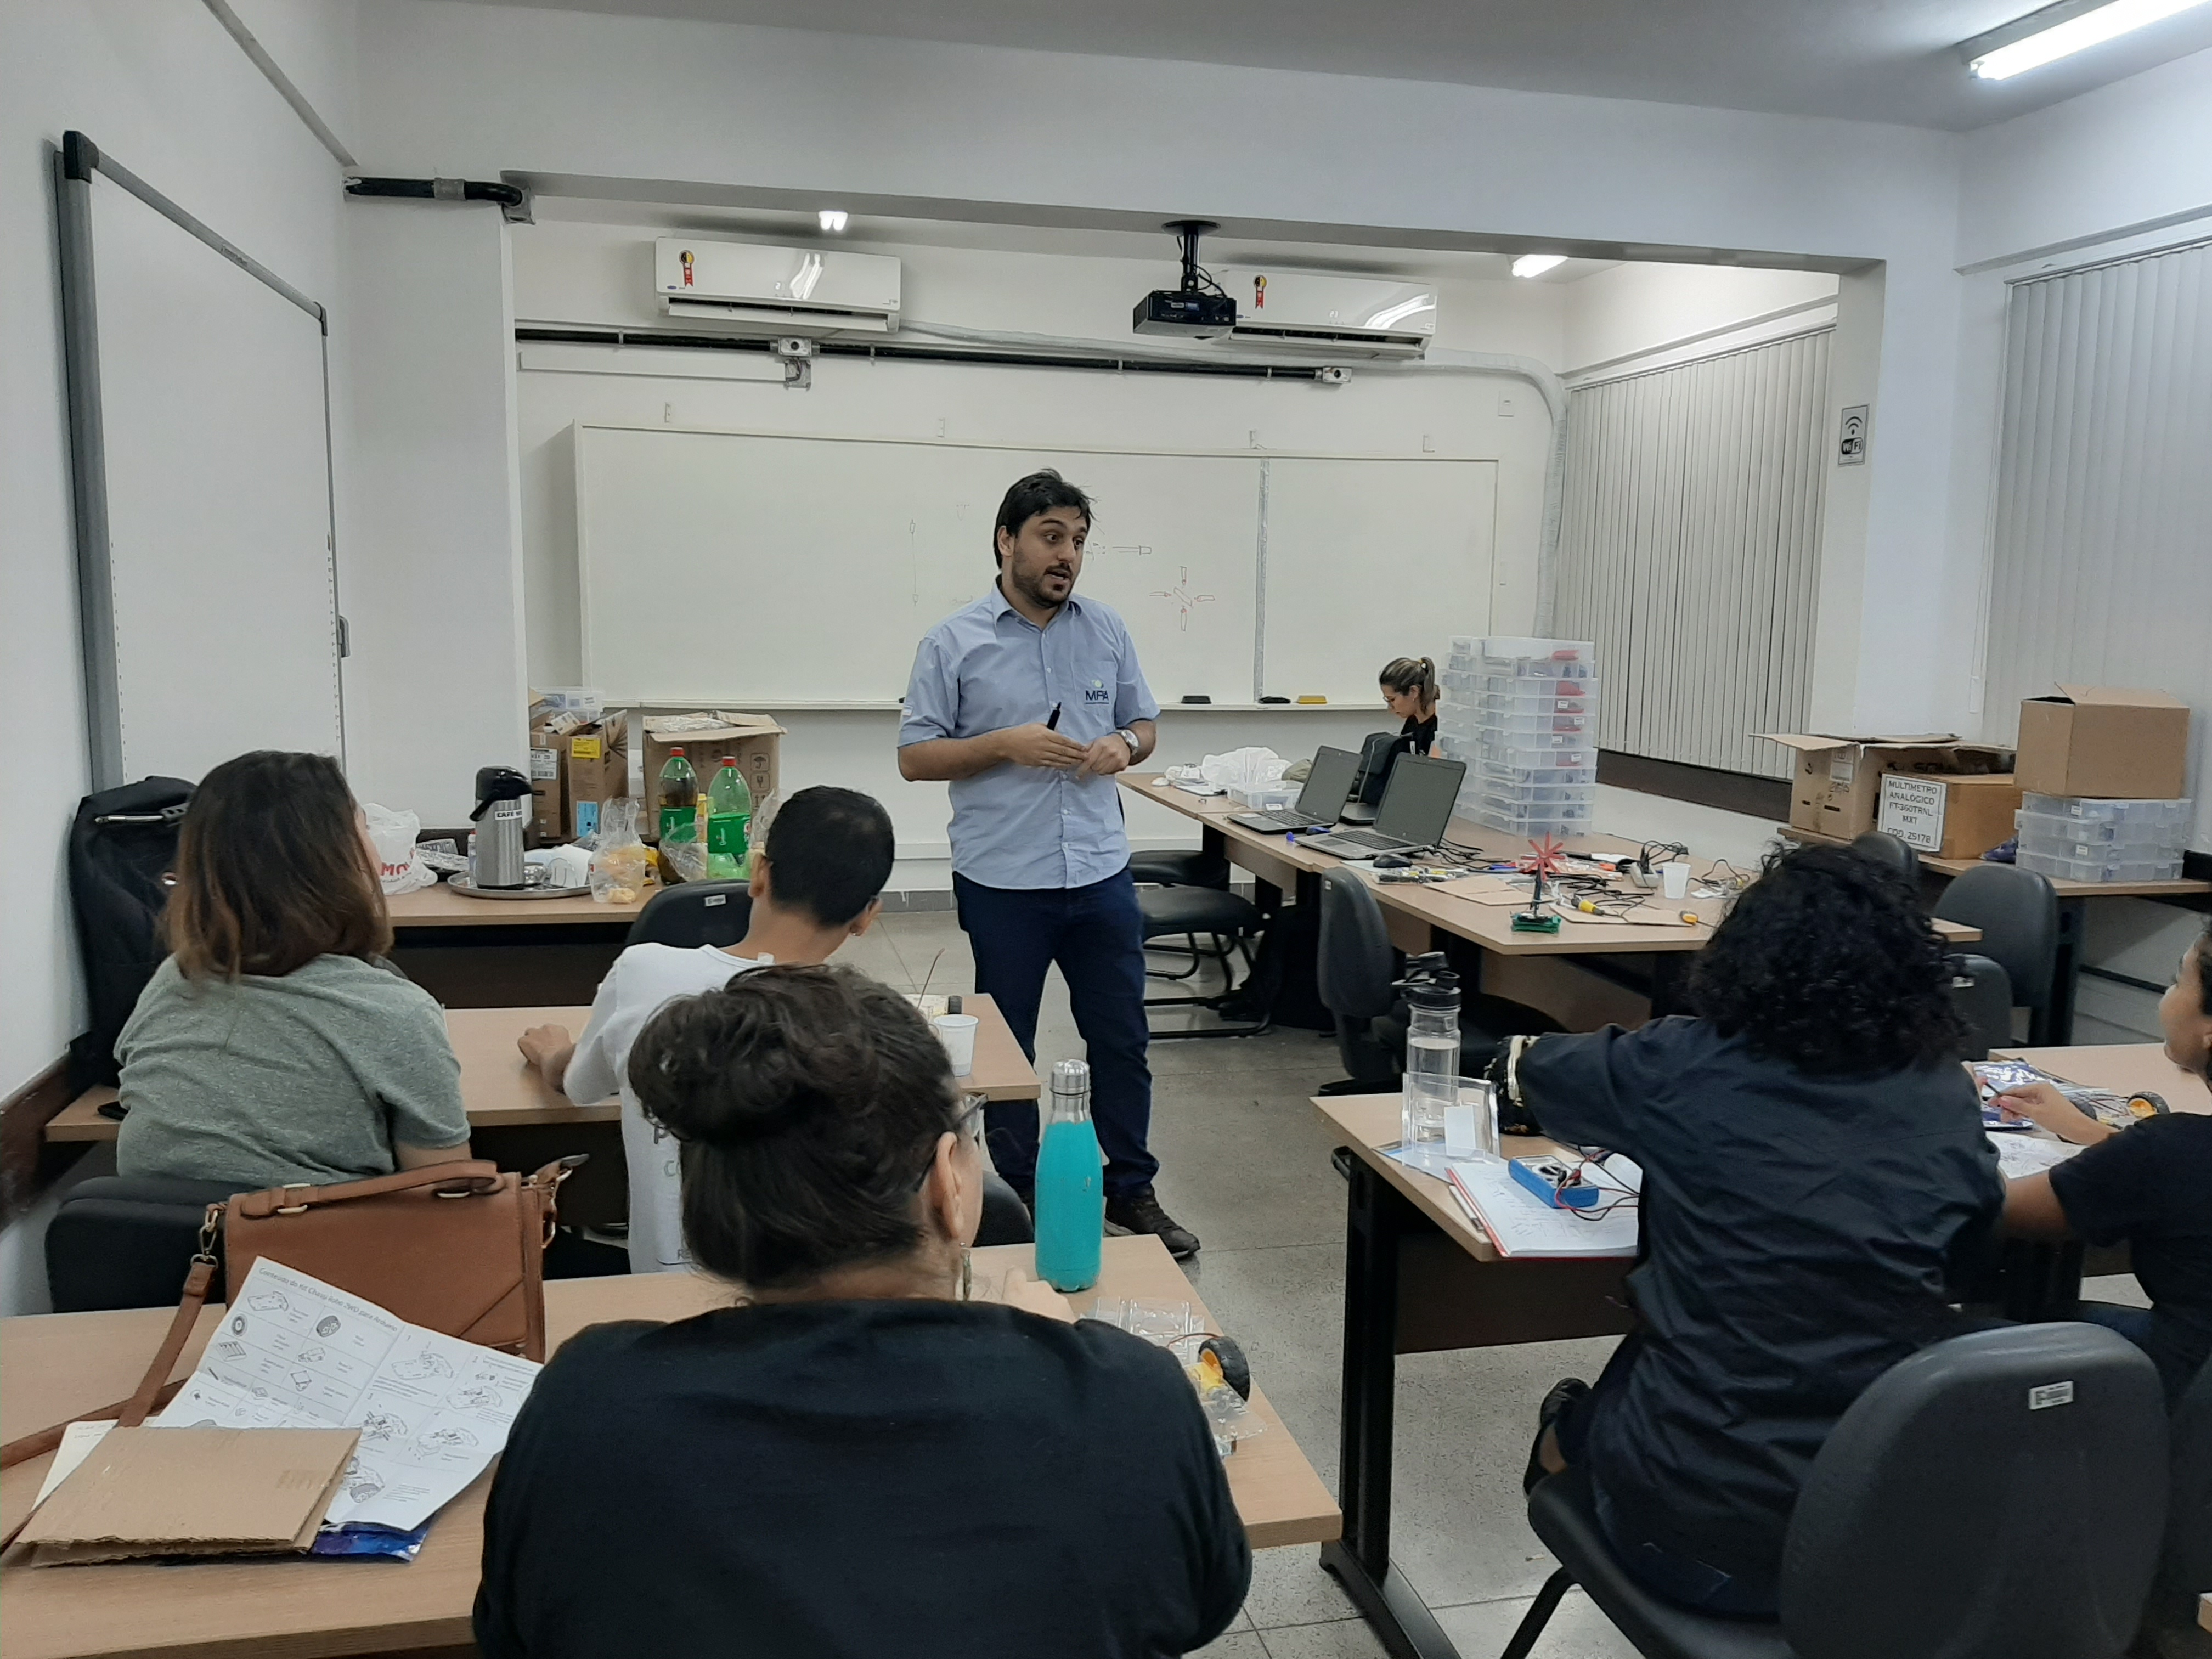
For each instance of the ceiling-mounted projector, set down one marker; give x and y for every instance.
(1198, 310)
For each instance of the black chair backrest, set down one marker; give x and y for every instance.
(1981, 994)
(1355, 962)
(1888, 851)
(1996, 1496)
(1378, 754)
(123, 843)
(2184, 1567)
(697, 913)
(120, 1242)
(2017, 911)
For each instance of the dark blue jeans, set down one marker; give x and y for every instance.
(1095, 934)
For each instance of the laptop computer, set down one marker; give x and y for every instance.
(1417, 804)
(1318, 803)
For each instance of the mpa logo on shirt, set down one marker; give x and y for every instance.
(1097, 692)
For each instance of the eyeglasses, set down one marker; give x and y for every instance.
(969, 1126)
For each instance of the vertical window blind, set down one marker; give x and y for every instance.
(2101, 556)
(1689, 548)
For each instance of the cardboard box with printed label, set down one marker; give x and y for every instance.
(752, 740)
(597, 759)
(548, 793)
(2102, 741)
(1949, 816)
(1835, 786)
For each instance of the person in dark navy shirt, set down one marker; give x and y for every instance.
(1815, 1178)
(2149, 1186)
(852, 1461)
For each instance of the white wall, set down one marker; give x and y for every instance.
(697, 108)
(430, 577)
(169, 94)
(1640, 316)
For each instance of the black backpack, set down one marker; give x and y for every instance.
(122, 845)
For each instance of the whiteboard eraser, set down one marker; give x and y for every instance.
(1313, 699)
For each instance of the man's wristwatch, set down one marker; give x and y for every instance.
(1129, 738)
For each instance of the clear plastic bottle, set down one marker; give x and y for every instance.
(679, 798)
(1431, 1083)
(1070, 1188)
(728, 812)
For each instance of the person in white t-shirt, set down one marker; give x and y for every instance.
(817, 883)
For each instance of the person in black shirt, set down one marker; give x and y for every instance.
(1814, 1174)
(849, 1462)
(2150, 1185)
(1409, 690)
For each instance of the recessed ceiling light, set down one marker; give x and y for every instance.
(2043, 37)
(833, 219)
(1535, 265)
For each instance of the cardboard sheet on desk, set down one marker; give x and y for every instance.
(152, 1491)
(1485, 890)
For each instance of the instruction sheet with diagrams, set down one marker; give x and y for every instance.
(294, 1352)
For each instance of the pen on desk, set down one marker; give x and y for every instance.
(1053, 723)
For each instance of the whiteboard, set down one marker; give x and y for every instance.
(221, 630)
(748, 567)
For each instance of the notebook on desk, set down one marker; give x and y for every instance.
(1328, 784)
(1416, 806)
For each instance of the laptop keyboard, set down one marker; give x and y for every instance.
(1368, 838)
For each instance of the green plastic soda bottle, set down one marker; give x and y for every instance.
(729, 818)
(680, 800)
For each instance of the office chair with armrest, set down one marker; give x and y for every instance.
(1926, 1526)
(2184, 1567)
(124, 1242)
(1176, 866)
(697, 913)
(1187, 912)
(1889, 852)
(1981, 995)
(2017, 911)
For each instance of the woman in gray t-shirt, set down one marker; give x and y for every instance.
(276, 1046)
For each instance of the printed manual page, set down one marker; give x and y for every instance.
(293, 1353)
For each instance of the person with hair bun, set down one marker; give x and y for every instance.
(1814, 1174)
(1409, 690)
(850, 1459)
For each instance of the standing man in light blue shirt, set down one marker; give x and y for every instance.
(1028, 702)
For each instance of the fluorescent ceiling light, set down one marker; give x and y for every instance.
(2069, 30)
(833, 219)
(1535, 265)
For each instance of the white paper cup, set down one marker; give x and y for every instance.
(957, 1033)
(1675, 880)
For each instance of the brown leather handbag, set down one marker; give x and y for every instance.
(456, 1247)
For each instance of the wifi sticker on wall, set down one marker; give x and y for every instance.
(1851, 444)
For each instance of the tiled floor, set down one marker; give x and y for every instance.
(1244, 1163)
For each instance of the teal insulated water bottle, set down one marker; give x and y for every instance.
(1070, 1188)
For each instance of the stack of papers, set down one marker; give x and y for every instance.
(293, 1353)
(1522, 1225)
(2021, 1155)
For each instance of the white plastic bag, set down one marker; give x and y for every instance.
(1243, 769)
(398, 866)
(621, 865)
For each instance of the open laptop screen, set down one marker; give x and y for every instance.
(1327, 783)
(1418, 803)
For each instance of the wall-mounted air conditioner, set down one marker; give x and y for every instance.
(748, 288)
(1347, 316)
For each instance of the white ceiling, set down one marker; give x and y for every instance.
(1874, 60)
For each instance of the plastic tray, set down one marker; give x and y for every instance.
(2100, 869)
(1503, 797)
(1538, 750)
(1507, 705)
(1488, 772)
(1522, 728)
(2081, 810)
(1566, 820)
(2048, 830)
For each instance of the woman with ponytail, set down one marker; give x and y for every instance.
(1409, 690)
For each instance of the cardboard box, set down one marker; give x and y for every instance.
(753, 739)
(1949, 818)
(549, 784)
(2100, 740)
(1835, 787)
(597, 763)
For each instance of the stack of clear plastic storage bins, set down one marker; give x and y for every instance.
(2103, 841)
(1522, 714)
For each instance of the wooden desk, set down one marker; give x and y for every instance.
(1419, 1277)
(2123, 1067)
(2073, 919)
(486, 953)
(1416, 914)
(501, 1092)
(56, 1364)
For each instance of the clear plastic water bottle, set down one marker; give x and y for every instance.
(1432, 1082)
(729, 814)
(1071, 1186)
